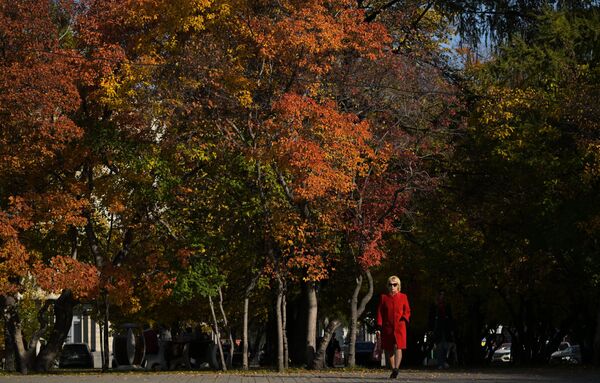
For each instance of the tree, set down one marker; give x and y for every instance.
(261, 110)
(519, 187)
(275, 101)
(79, 163)
(410, 112)
(38, 205)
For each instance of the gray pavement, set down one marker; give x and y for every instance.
(448, 376)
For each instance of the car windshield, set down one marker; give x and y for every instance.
(363, 346)
(74, 349)
(563, 346)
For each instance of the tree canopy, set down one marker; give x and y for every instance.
(155, 154)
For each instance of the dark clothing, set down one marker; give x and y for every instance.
(441, 322)
(330, 351)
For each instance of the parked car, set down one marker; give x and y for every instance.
(566, 353)
(363, 354)
(76, 355)
(503, 354)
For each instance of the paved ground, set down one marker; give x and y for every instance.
(488, 376)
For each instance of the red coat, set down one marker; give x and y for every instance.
(393, 314)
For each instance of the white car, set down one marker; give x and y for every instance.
(503, 354)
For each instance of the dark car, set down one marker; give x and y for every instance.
(363, 354)
(567, 353)
(76, 355)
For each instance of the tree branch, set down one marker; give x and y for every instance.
(43, 324)
(93, 240)
(367, 297)
(373, 15)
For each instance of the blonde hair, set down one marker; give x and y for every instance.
(392, 279)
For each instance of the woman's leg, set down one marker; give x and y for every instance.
(390, 355)
(397, 358)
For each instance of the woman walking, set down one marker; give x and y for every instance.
(393, 314)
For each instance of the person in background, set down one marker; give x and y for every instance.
(332, 348)
(393, 314)
(441, 324)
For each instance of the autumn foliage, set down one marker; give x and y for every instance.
(322, 147)
(152, 150)
(156, 153)
(38, 94)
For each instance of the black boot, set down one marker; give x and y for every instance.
(394, 373)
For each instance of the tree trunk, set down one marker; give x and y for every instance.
(318, 362)
(9, 348)
(286, 348)
(477, 322)
(36, 336)
(227, 328)
(13, 328)
(21, 353)
(10, 362)
(245, 364)
(356, 311)
(102, 349)
(249, 288)
(99, 258)
(63, 316)
(597, 340)
(279, 301)
(217, 334)
(279, 320)
(351, 360)
(311, 327)
(106, 315)
(529, 329)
